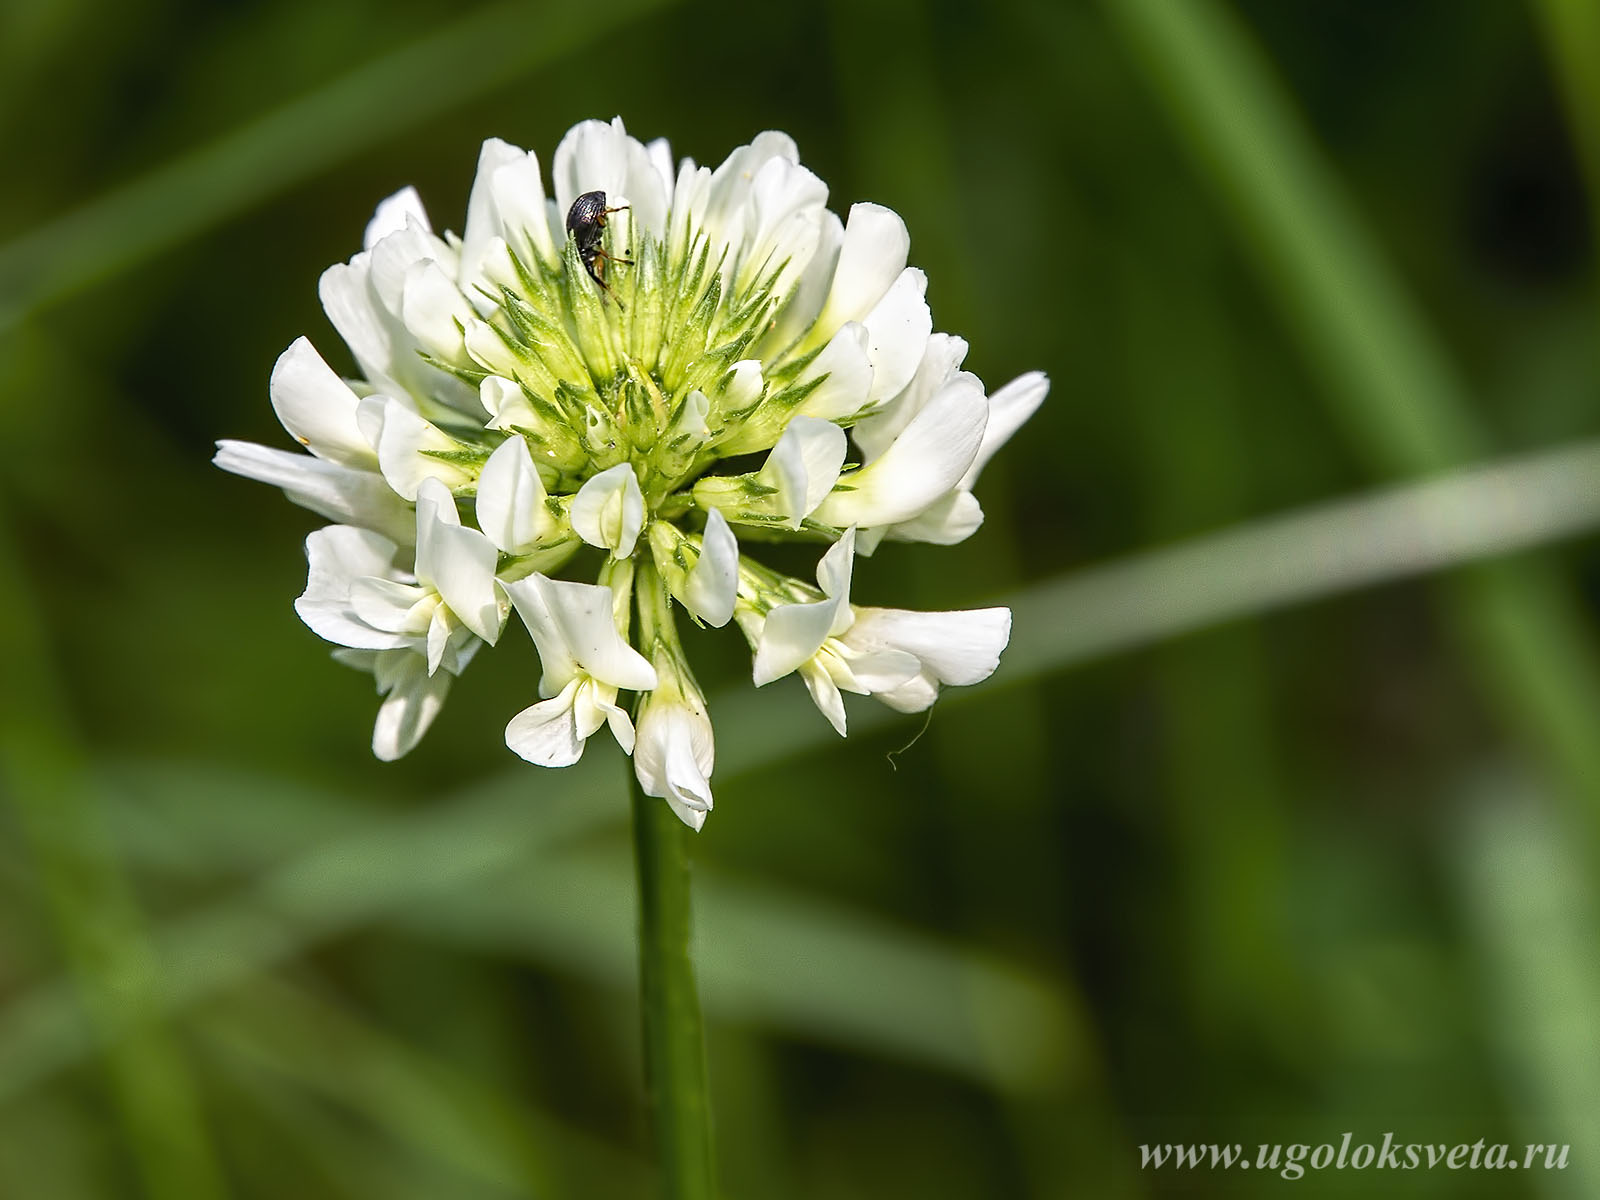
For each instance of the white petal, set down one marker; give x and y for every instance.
(833, 569)
(941, 358)
(929, 457)
(392, 214)
(712, 585)
(871, 258)
(784, 225)
(439, 630)
(435, 312)
(596, 156)
(520, 203)
(897, 334)
(674, 756)
(847, 370)
(511, 498)
(793, 633)
(547, 733)
(740, 386)
(337, 492)
(1008, 409)
(729, 185)
(338, 556)
(456, 561)
(392, 606)
(804, 466)
(318, 408)
(403, 436)
(608, 510)
(505, 401)
(959, 648)
(575, 628)
(347, 298)
(825, 695)
(811, 289)
(414, 700)
(949, 520)
(391, 259)
(483, 219)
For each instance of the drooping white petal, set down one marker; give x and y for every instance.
(825, 695)
(340, 493)
(927, 460)
(413, 700)
(897, 334)
(392, 214)
(456, 561)
(1008, 409)
(846, 373)
(953, 518)
(871, 258)
(608, 510)
(793, 633)
(403, 438)
(574, 626)
(712, 583)
(834, 567)
(546, 733)
(956, 648)
(438, 637)
(318, 408)
(804, 466)
(511, 498)
(339, 555)
(674, 756)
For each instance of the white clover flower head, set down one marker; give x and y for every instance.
(633, 370)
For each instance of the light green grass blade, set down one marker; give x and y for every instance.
(1531, 906)
(1391, 388)
(268, 156)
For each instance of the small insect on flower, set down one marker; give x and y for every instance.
(586, 222)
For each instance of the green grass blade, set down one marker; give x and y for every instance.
(244, 168)
(1572, 37)
(1530, 903)
(116, 974)
(1392, 389)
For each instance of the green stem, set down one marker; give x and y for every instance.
(674, 1046)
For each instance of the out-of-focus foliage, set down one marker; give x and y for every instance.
(1325, 867)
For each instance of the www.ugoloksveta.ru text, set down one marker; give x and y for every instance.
(1292, 1161)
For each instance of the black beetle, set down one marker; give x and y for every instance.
(586, 223)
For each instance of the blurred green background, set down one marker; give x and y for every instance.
(1317, 866)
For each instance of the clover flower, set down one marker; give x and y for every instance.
(629, 377)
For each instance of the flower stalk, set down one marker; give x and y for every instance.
(674, 1044)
